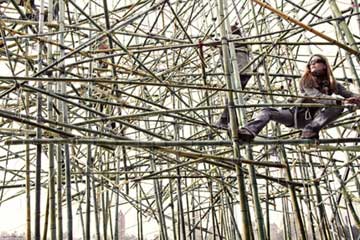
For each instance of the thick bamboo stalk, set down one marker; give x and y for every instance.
(342, 25)
(294, 200)
(321, 208)
(39, 135)
(52, 174)
(64, 118)
(244, 208)
(89, 165)
(27, 163)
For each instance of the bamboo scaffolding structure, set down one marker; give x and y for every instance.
(108, 112)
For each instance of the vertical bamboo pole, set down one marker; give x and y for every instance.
(244, 208)
(312, 216)
(256, 200)
(320, 203)
(193, 212)
(180, 207)
(60, 160)
(213, 211)
(27, 156)
(103, 197)
(350, 205)
(251, 169)
(286, 222)
(65, 120)
(89, 167)
(181, 217)
(27, 186)
(89, 161)
(267, 206)
(139, 212)
(356, 7)
(52, 175)
(158, 200)
(294, 201)
(117, 194)
(79, 209)
(295, 204)
(46, 216)
(173, 209)
(187, 207)
(96, 205)
(181, 213)
(39, 134)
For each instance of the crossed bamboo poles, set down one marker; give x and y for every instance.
(102, 176)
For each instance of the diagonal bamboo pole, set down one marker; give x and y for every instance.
(307, 28)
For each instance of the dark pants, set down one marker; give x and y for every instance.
(287, 117)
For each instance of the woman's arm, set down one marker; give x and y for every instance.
(342, 91)
(313, 92)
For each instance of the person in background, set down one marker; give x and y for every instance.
(317, 85)
(242, 56)
(103, 47)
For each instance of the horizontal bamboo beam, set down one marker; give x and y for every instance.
(147, 144)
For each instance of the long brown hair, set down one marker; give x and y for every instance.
(308, 80)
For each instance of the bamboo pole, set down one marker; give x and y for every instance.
(89, 162)
(306, 27)
(52, 179)
(311, 142)
(294, 201)
(163, 229)
(64, 118)
(321, 207)
(180, 208)
(39, 135)
(244, 208)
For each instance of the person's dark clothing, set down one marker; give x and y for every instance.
(308, 119)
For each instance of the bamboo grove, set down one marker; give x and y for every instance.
(107, 115)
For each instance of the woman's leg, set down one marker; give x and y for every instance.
(322, 118)
(265, 115)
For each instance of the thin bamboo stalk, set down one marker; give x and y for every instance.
(163, 229)
(59, 192)
(89, 165)
(180, 207)
(145, 144)
(27, 163)
(46, 220)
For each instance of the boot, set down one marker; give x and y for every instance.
(245, 135)
(224, 120)
(308, 134)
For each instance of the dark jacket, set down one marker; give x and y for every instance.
(306, 113)
(340, 90)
